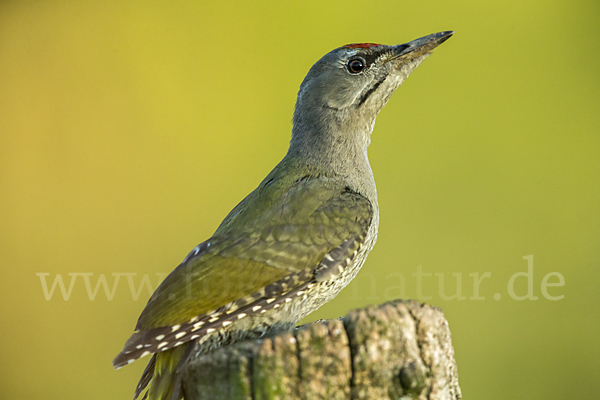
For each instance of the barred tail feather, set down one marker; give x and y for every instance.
(145, 379)
(161, 375)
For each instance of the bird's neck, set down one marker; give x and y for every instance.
(338, 149)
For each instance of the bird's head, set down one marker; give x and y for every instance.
(346, 88)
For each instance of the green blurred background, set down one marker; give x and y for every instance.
(128, 131)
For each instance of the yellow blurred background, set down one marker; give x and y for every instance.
(128, 131)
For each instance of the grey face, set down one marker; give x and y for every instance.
(344, 91)
(360, 78)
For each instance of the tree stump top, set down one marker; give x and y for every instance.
(397, 350)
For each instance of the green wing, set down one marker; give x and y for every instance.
(273, 242)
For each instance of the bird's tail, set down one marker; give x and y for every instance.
(162, 377)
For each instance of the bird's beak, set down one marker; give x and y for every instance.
(418, 47)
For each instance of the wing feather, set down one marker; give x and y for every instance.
(306, 236)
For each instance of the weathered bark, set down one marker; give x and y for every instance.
(400, 349)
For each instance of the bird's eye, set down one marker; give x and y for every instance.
(356, 65)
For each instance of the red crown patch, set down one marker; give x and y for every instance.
(360, 45)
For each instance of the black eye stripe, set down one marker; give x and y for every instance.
(370, 58)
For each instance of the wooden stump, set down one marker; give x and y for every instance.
(397, 350)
